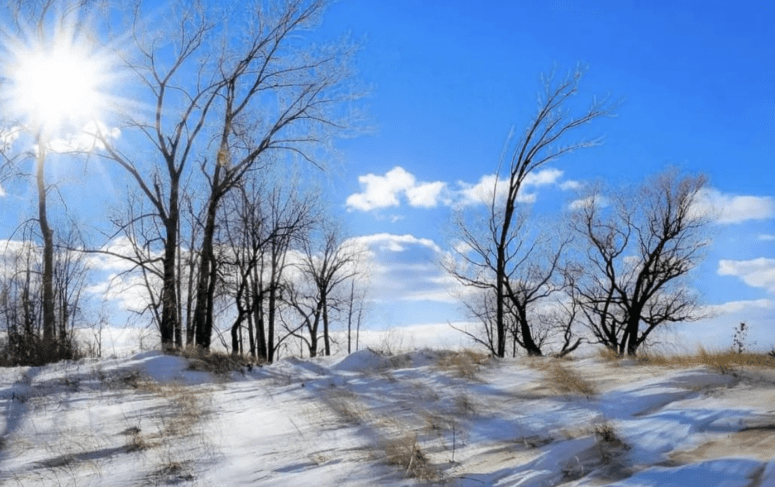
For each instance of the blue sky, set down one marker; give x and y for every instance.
(450, 79)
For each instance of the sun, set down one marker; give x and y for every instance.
(56, 87)
(55, 84)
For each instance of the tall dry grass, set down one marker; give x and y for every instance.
(562, 379)
(464, 363)
(724, 361)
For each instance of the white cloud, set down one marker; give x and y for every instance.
(599, 201)
(405, 268)
(426, 195)
(482, 192)
(738, 306)
(726, 208)
(2, 191)
(543, 177)
(570, 185)
(766, 237)
(755, 272)
(129, 292)
(394, 243)
(384, 191)
(381, 191)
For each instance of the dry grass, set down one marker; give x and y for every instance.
(465, 363)
(465, 405)
(607, 459)
(135, 440)
(608, 355)
(405, 452)
(564, 380)
(346, 405)
(217, 363)
(723, 361)
(436, 424)
(610, 446)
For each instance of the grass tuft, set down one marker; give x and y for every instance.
(217, 363)
(346, 405)
(723, 361)
(405, 452)
(465, 363)
(564, 380)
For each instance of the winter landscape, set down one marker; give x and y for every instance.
(426, 417)
(387, 242)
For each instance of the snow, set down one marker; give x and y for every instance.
(148, 419)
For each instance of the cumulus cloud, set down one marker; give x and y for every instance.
(394, 243)
(481, 192)
(727, 208)
(489, 185)
(426, 195)
(543, 177)
(598, 201)
(570, 185)
(738, 306)
(405, 268)
(388, 190)
(384, 191)
(755, 272)
(129, 292)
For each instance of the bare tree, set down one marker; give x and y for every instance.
(263, 221)
(232, 89)
(355, 302)
(22, 313)
(496, 251)
(30, 114)
(325, 265)
(307, 91)
(534, 277)
(640, 251)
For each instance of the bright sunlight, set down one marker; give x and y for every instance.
(55, 85)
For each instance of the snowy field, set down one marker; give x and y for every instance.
(419, 418)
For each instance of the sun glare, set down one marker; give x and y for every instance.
(55, 85)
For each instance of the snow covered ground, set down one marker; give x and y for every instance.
(419, 418)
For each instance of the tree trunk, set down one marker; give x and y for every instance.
(235, 337)
(270, 321)
(258, 320)
(527, 337)
(350, 317)
(631, 333)
(251, 337)
(49, 330)
(326, 338)
(169, 309)
(500, 325)
(205, 286)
